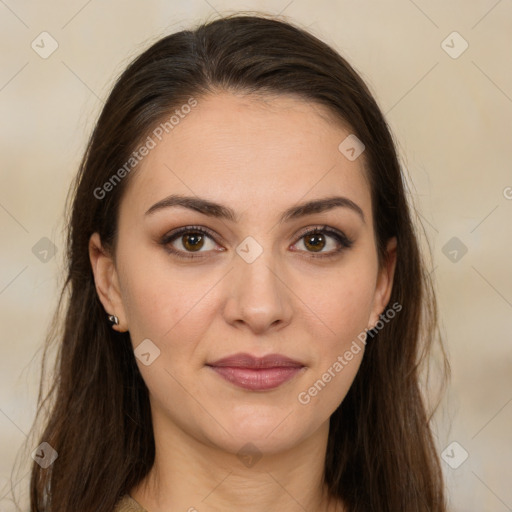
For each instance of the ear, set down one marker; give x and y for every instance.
(384, 282)
(107, 281)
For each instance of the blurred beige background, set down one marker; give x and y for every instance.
(450, 108)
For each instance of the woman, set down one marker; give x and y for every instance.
(248, 308)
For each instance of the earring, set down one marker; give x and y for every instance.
(113, 319)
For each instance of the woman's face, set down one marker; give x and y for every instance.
(255, 283)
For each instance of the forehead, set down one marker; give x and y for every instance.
(270, 150)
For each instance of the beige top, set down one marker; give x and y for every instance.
(128, 504)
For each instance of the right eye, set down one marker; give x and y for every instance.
(191, 238)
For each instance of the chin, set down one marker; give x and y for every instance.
(263, 434)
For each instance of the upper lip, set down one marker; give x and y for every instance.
(250, 361)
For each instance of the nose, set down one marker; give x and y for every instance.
(257, 295)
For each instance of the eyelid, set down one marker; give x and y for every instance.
(176, 233)
(341, 238)
(192, 228)
(325, 229)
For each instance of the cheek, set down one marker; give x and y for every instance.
(344, 303)
(339, 351)
(159, 295)
(165, 306)
(343, 306)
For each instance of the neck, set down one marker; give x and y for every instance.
(190, 475)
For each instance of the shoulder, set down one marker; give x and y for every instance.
(127, 504)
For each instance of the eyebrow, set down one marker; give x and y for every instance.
(213, 209)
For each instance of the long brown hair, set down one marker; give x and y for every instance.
(381, 455)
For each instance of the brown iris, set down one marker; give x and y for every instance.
(316, 242)
(193, 241)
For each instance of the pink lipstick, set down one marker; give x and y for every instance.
(257, 373)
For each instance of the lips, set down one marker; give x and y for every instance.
(248, 361)
(257, 373)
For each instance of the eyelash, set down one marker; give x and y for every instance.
(340, 237)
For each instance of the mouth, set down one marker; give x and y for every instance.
(257, 373)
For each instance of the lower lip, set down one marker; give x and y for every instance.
(257, 379)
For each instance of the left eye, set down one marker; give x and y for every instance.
(192, 240)
(315, 240)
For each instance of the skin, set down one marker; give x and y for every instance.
(258, 156)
